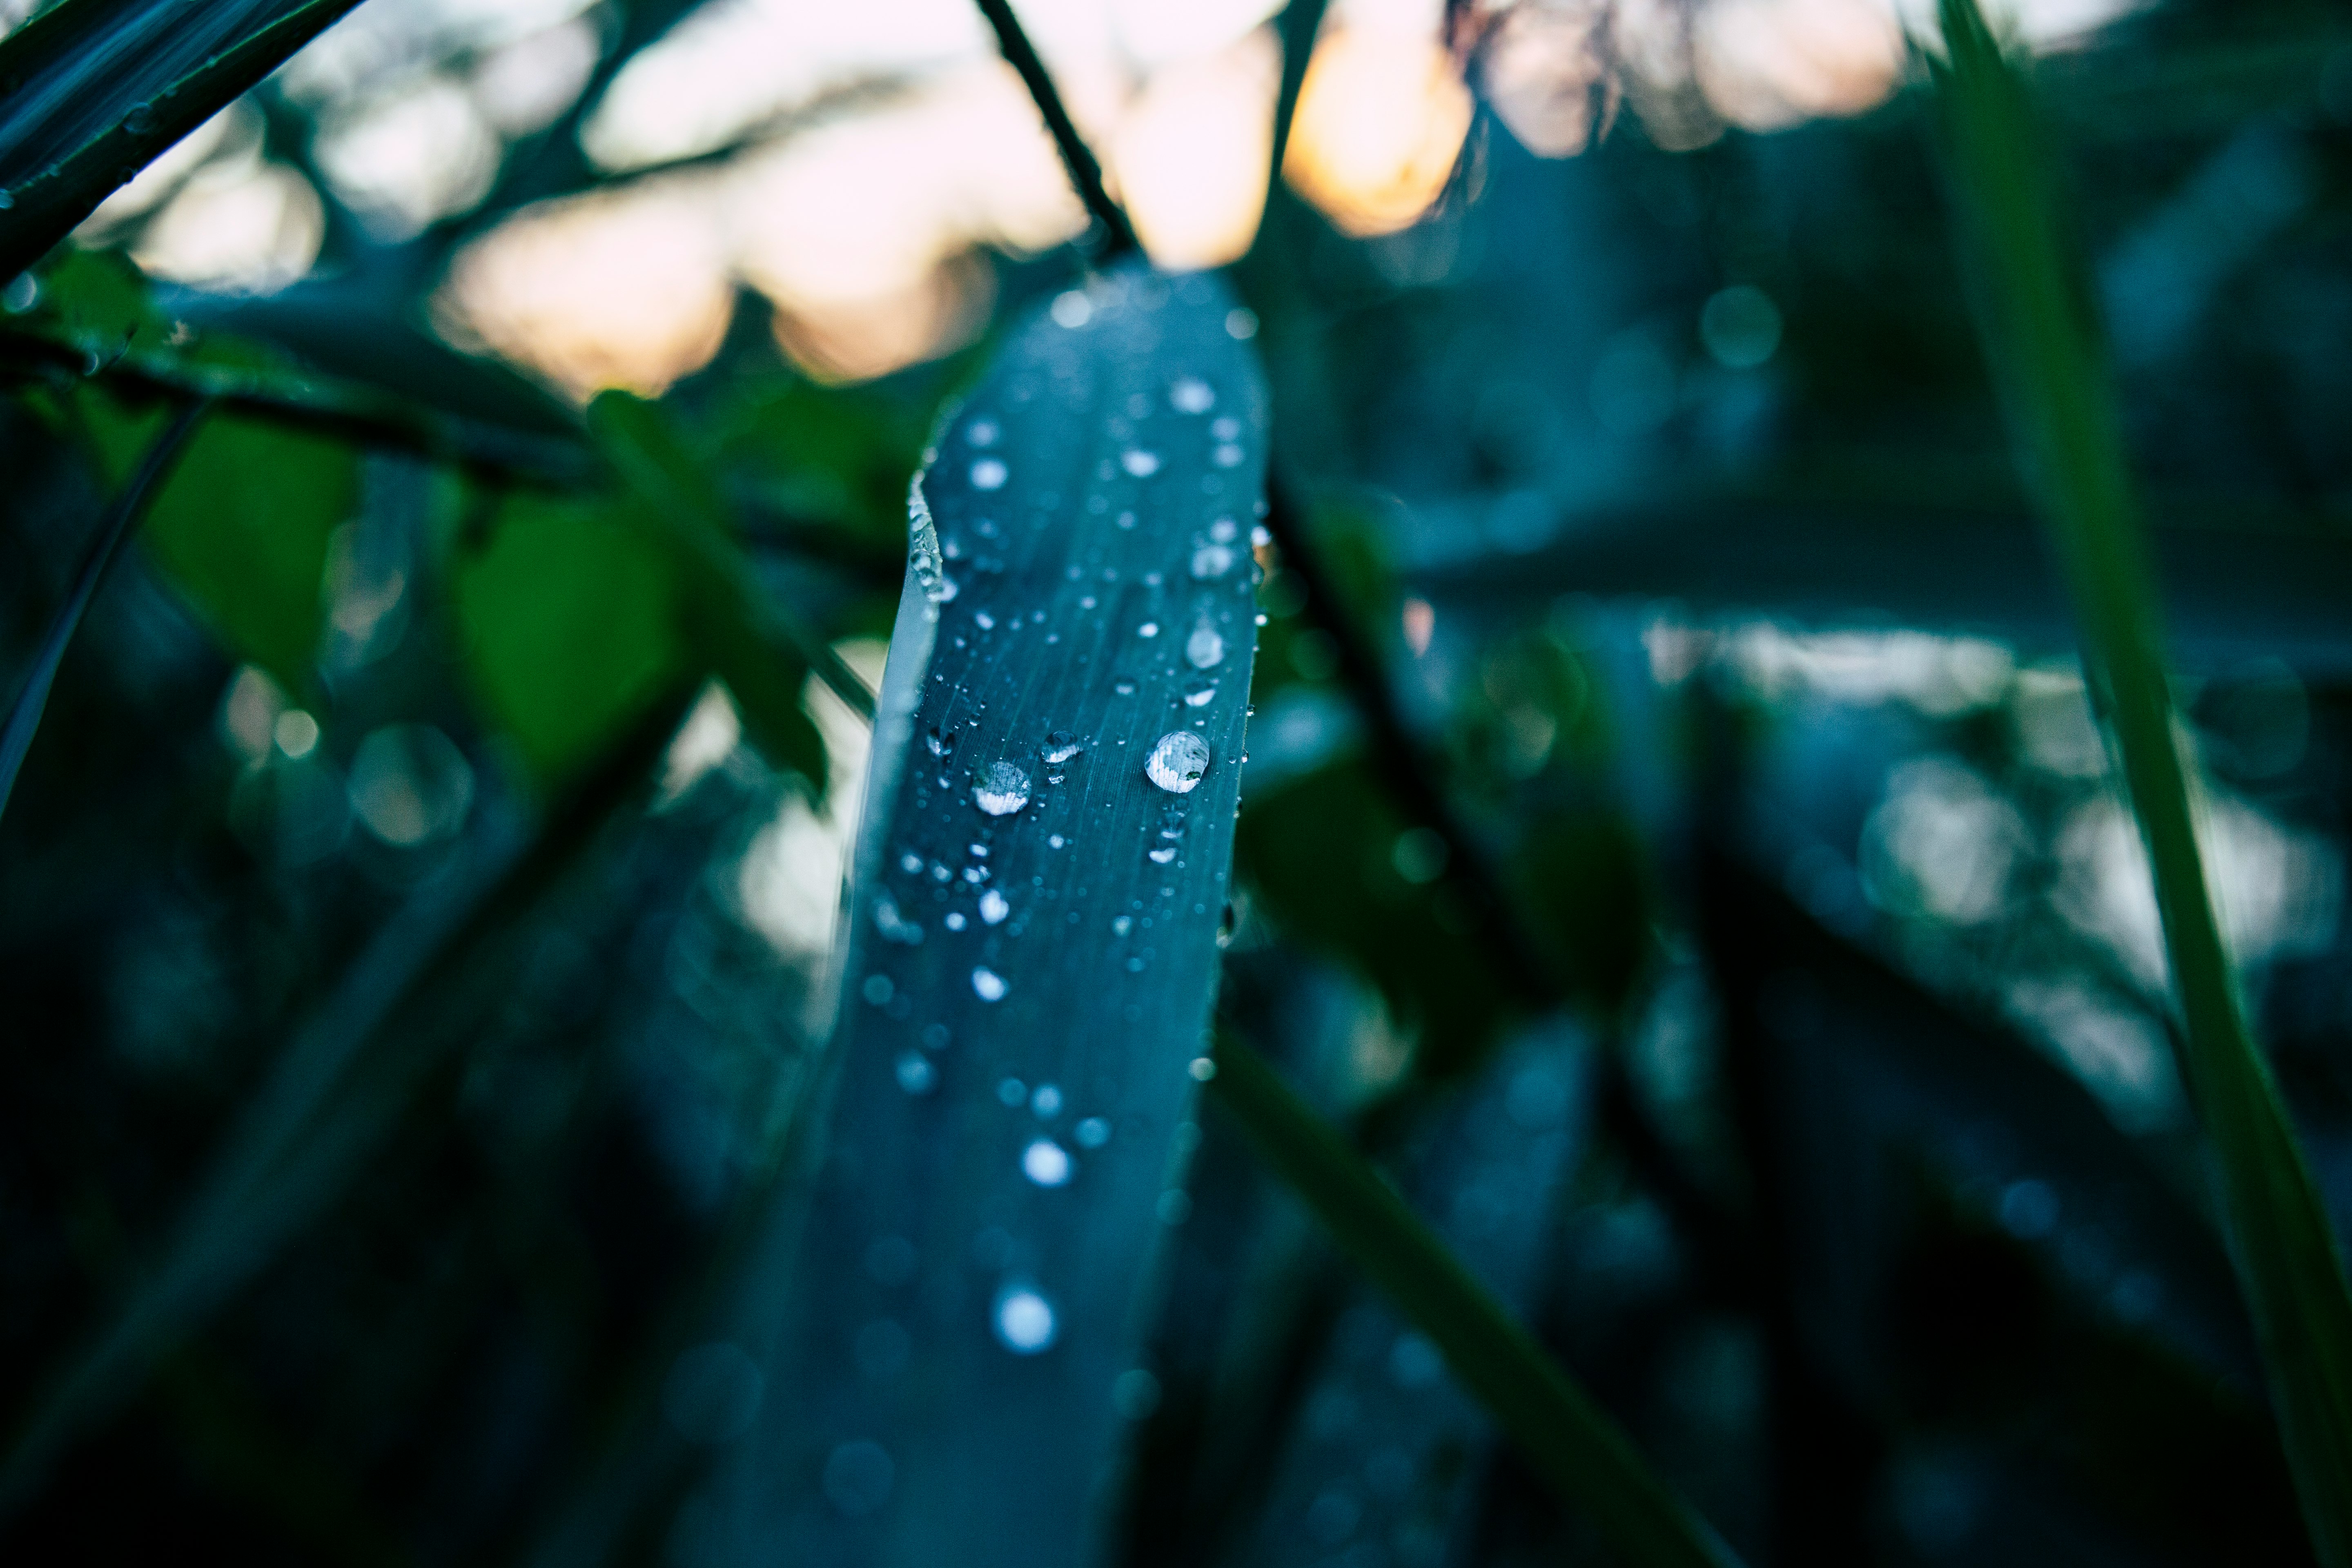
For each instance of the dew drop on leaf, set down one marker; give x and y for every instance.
(987, 985)
(1045, 1162)
(1177, 763)
(1212, 561)
(1093, 1132)
(1060, 747)
(1139, 462)
(1002, 790)
(916, 1074)
(1190, 395)
(1023, 1319)
(1204, 649)
(992, 907)
(990, 474)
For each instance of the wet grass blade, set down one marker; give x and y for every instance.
(2043, 340)
(957, 1292)
(94, 90)
(1568, 1440)
(120, 518)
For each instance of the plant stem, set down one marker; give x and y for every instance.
(1085, 169)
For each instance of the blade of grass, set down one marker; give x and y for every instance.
(2042, 337)
(117, 125)
(1572, 1442)
(33, 696)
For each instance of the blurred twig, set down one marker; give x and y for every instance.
(106, 542)
(1086, 171)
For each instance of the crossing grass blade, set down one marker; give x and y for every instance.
(2041, 335)
(1569, 1441)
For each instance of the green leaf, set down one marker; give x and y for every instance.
(242, 526)
(2041, 335)
(1569, 1440)
(1030, 906)
(730, 625)
(568, 617)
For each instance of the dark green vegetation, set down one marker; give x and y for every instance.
(1736, 1091)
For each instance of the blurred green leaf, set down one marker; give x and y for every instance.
(569, 620)
(2041, 335)
(727, 620)
(1572, 1442)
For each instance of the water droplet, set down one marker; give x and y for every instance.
(1259, 537)
(1227, 428)
(990, 474)
(891, 926)
(916, 1074)
(942, 744)
(1024, 1319)
(910, 862)
(985, 621)
(1072, 310)
(1204, 649)
(955, 921)
(1047, 1103)
(1147, 629)
(140, 119)
(1011, 1093)
(987, 985)
(1190, 395)
(1202, 1069)
(1045, 1162)
(1139, 462)
(1212, 561)
(1060, 747)
(1124, 686)
(1228, 455)
(1200, 691)
(1177, 763)
(1224, 531)
(992, 907)
(1002, 790)
(1241, 323)
(1161, 856)
(1057, 840)
(1123, 924)
(983, 432)
(1093, 1132)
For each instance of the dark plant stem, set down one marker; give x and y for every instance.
(1085, 169)
(114, 527)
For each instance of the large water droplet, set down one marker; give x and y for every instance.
(1204, 649)
(987, 985)
(1190, 395)
(1139, 462)
(1177, 763)
(1045, 1162)
(992, 907)
(990, 474)
(1060, 747)
(1024, 1321)
(1002, 790)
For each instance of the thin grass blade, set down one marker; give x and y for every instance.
(1569, 1441)
(120, 518)
(2042, 336)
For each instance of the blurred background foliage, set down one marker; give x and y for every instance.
(416, 955)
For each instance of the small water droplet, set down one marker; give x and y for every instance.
(982, 432)
(1072, 310)
(942, 744)
(1224, 531)
(1226, 428)
(1060, 747)
(1200, 691)
(1123, 924)
(987, 985)
(1056, 840)
(916, 1074)
(1147, 629)
(876, 989)
(1161, 856)
(1205, 649)
(1011, 1093)
(1124, 686)
(1139, 462)
(1228, 455)
(1024, 1319)
(1047, 1102)
(910, 862)
(1190, 395)
(992, 907)
(955, 921)
(1177, 763)
(1093, 1132)
(1212, 561)
(985, 621)
(1045, 1162)
(894, 927)
(1002, 790)
(1259, 537)
(990, 474)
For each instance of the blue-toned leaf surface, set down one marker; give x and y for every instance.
(1033, 958)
